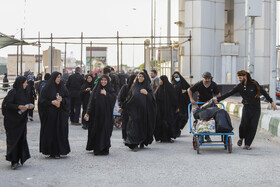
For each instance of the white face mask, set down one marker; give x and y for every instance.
(177, 79)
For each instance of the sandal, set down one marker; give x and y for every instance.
(247, 147)
(239, 142)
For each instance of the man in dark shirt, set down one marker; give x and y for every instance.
(74, 83)
(250, 91)
(207, 89)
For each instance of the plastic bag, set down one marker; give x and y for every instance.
(223, 122)
(208, 113)
(205, 126)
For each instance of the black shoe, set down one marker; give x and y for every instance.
(208, 139)
(135, 149)
(85, 126)
(141, 146)
(171, 141)
(15, 165)
(178, 134)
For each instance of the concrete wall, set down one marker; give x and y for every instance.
(206, 20)
(28, 63)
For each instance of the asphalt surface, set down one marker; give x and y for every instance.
(160, 164)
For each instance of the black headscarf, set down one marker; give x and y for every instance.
(88, 84)
(147, 75)
(185, 84)
(18, 84)
(165, 89)
(130, 81)
(98, 86)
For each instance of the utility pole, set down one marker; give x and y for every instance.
(65, 56)
(21, 51)
(82, 51)
(273, 61)
(251, 46)
(169, 22)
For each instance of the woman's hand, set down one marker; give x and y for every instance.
(103, 91)
(184, 91)
(22, 108)
(177, 110)
(59, 99)
(120, 110)
(273, 106)
(55, 103)
(143, 91)
(88, 89)
(31, 106)
(86, 117)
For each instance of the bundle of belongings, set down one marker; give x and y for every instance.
(211, 119)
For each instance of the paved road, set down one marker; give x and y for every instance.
(161, 164)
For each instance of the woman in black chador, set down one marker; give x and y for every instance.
(14, 108)
(181, 86)
(85, 93)
(122, 98)
(167, 106)
(100, 113)
(141, 108)
(54, 111)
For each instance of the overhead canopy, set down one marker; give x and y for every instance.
(8, 40)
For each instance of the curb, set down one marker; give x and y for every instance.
(269, 122)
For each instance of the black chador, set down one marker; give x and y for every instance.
(54, 117)
(123, 94)
(85, 94)
(181, 85)
(100, 110)
(15, 123)
(141, 108)
(167, 104)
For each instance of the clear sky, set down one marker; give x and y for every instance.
(92, 17)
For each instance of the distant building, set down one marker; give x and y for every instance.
(29, 62)
(219, 31)
(3, 65)
(56, 60)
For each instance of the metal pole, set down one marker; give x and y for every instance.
(39, 52)
(118, 60)
(152, 33)
(154, 52)
(51, 56)
(121, 56)
(17, 60)
(81, 51)
(90, 60)
(171, 60)
(251, 47)
(65, 56)
(133, 55)
(169, 21)
(273, 61)
(21, 51)
(190, 39)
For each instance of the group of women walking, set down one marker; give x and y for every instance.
(147, 113)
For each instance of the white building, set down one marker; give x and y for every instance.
(220, 39)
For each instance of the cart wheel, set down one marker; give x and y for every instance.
(194, 142)
(225, 140)
(229, 144)
(197, 144)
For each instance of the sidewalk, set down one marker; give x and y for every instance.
(269, 119)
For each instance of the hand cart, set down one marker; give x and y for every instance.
(198, 138)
